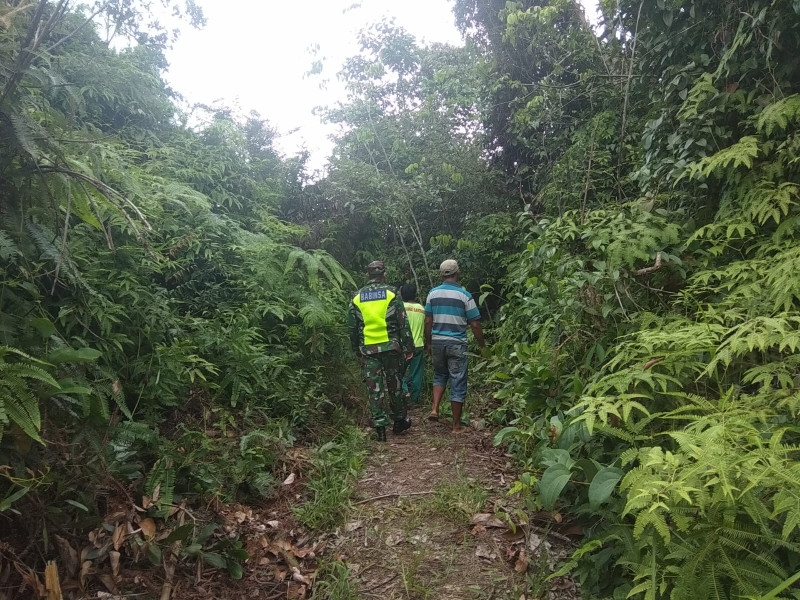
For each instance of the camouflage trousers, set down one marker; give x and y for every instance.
(382, 374)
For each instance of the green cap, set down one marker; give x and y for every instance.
(376, 267)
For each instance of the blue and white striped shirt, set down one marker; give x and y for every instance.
(452, 308)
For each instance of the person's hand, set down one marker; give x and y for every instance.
(409, 356)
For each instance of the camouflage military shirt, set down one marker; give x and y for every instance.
(378, 322)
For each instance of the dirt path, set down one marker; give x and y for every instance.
(424, 524)
(427, 521)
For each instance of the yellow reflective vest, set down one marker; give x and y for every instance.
(378, 321)
(416, 321)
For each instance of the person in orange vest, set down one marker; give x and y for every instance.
(381, 337)
(413, 382)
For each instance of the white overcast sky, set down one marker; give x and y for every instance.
(253, 55)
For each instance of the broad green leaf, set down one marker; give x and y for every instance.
(235, 569)
(552, 456)
(69, 386)
(505, 432)
(602, 485)
(206, 532)
(214, 559)
(154, 554)
(70, 355)
(180, 533)
(553, 481)
(44, 326)
(238, 554)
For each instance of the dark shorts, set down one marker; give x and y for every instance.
(450, 363)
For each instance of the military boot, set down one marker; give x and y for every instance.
(381, 434)
(401, 425)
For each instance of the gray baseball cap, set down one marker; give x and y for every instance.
(448, 268)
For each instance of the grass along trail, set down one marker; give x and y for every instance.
(424, 525)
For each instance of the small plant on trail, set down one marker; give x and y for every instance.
(457, 500)
(537, 578)
(337, 465)
(333, 582)
(413, 584)
(437, 443)
(225, 553)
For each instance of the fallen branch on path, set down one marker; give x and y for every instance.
(381, 584)
(394, 495)
(547, 532)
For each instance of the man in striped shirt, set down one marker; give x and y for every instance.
(448, 311)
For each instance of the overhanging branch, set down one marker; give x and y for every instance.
(655, 267)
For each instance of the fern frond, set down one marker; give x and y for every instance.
(779, 114)
(739, 154)
(21, 407)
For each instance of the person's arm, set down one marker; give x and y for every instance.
(428, 324)
(428, 332)
(477, 331)
(352, 325)
(474, 320)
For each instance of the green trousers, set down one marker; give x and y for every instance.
(413, 376)
(383, 377)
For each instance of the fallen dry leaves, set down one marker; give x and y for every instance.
(123, 552)
(148, 527)
(521, 565)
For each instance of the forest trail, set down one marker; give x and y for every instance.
(424, 525)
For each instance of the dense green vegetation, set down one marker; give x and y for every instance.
(161, 332)
(630, 195)
(623, 198)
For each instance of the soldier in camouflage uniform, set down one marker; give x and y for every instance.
(381, 338)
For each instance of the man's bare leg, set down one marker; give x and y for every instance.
(438, 392)
(456, 407)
